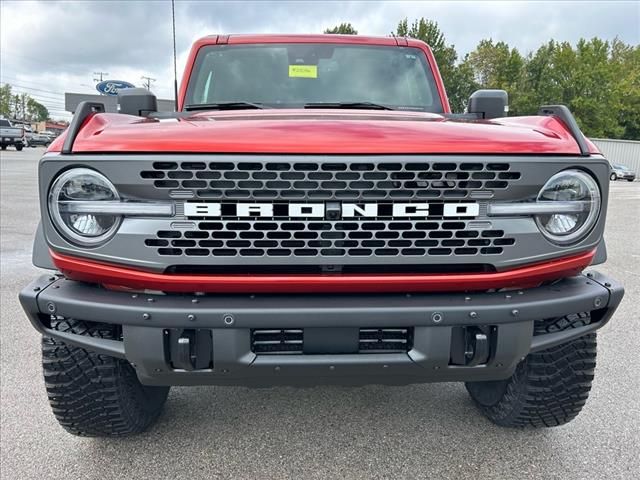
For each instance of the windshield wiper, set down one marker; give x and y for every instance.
(224, 106)
(349, 105)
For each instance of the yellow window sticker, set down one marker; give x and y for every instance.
(303, 71)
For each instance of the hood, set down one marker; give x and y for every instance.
(323, 132)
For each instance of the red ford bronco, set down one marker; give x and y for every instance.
(314, 213)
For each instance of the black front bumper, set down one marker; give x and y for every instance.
(435, 321)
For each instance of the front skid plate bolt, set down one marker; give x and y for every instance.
(597, 302)
(146, 316)
(437, 317)
(473, 314)
(228, 319)
(51, 307)
(191, 317)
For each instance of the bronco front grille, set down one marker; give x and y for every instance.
(356, 180)
(260, 238)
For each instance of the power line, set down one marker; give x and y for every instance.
(99, 74)
(147, 84)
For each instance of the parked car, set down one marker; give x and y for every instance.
(621, 172)
(318, 215)
(40, 138)
(10, 135)
(28, 135)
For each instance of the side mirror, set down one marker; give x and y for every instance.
(489, 103)
(137, 101)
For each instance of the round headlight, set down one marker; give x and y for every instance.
(570, 186)
(67, 194)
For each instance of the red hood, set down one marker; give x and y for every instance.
(323, 132)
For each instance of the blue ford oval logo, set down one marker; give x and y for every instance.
(111, 87)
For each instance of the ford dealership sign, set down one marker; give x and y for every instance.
(111, 87)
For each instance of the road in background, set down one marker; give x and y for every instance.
(420, 431)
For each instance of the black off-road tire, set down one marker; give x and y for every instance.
(95, 395)
(549, 388)
(19, 147)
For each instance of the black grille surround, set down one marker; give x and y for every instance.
(332, 180)
(138, 241)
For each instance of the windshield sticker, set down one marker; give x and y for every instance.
(303, 71)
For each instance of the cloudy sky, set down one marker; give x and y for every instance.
(49, 47)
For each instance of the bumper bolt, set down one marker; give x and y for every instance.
(589, 274)
(191, 317)
(150, 300)
(437, 317)
(146, 316)
(597, 302)
(36, 289)
(194, 300)
(228, 319)
(467, 299)
(607, 284)
(51, 308)
(134, 295)
(473, 314)
(515, 312)
(51, 279)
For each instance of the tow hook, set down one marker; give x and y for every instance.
(470, 346)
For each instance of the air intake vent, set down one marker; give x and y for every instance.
(276, 341)
(386, 340)
(371, 340)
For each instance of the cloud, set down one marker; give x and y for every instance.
(51, 47)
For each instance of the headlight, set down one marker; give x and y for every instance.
(569, 186)
(82, 185)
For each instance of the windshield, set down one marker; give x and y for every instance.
(296, 75)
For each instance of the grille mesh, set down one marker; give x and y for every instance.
(258, 238)
(331, 180)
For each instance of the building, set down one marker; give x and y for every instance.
(71, 101)
(624, 152)
(51, 126)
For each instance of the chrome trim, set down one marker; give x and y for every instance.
(127, 209)
(536, 208)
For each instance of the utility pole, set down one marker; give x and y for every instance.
(147, 83)
(99, 74)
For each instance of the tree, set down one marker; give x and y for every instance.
(458, 83)
(495, 65)
(6, 98)
(343, 28)
(36, 111)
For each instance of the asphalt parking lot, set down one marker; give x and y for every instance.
(422, 431)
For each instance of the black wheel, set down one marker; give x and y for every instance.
(3, 147)
(613, 177)
(549, 388)
(96, 395)
(19, 147)
(629, 179)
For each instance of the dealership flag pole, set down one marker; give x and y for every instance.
(175, 68)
